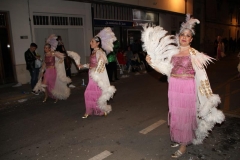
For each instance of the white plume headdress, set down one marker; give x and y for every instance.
(52, 40)
(107, 38)
(189, 24)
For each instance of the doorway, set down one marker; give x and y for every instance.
(73, 39)
(6, 60)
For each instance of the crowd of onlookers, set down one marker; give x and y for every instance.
(132, 59)
(230, 45)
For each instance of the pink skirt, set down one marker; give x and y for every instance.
(182, 109)
(91, 95)
(50, 79)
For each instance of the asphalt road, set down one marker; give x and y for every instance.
(136, 129)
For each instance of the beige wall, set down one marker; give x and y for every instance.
(177, 6)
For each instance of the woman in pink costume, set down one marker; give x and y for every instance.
(99, 90)
(52, 79)
(192, 105)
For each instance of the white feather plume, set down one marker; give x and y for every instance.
(189, 24)
(107, 37)
(74, 56)
(160, 47)
(52, 40)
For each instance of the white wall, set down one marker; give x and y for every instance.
(19, 25)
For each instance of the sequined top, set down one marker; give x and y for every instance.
(93, 61)
(182, 67)
(50, 61)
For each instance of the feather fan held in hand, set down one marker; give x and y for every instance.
(74, 56)
(107, 38)
(160, 47)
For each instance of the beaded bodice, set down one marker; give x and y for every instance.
(50, 61)
(182, 65)
(93, 61)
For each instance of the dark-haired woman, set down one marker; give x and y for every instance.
(98, 90)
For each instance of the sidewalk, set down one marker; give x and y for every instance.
(12, 95)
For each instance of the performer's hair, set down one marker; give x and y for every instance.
(48, 45)
(33, 45)
(98, 39)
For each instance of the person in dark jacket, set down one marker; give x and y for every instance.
(30, 58)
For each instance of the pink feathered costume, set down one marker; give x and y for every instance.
(98, 90)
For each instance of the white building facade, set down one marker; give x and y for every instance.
(30, 21)
(34, 20)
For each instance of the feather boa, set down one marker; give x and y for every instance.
(61, 90)
(207, 113)
(107, 92)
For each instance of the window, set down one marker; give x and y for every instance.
(2, 20)
(57, 20)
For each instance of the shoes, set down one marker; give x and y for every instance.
(137, 73)
(72, 86)
(177, 154)
(175, 145)
(56, 101)
(35, 93)
(45, 99)
(105, 114)
(85, 116)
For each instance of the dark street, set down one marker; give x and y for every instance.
(136, 129)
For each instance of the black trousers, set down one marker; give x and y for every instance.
(68, 73)
(112, 69)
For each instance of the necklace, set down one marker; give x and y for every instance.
(184, 48)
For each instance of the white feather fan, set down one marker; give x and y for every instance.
(74, 56)
(160, 47)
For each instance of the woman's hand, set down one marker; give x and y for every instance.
(83, 66)
(80, 66)
(148, 59)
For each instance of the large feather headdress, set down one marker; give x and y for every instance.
(189, 24)
(52, 40)
(107, 38)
